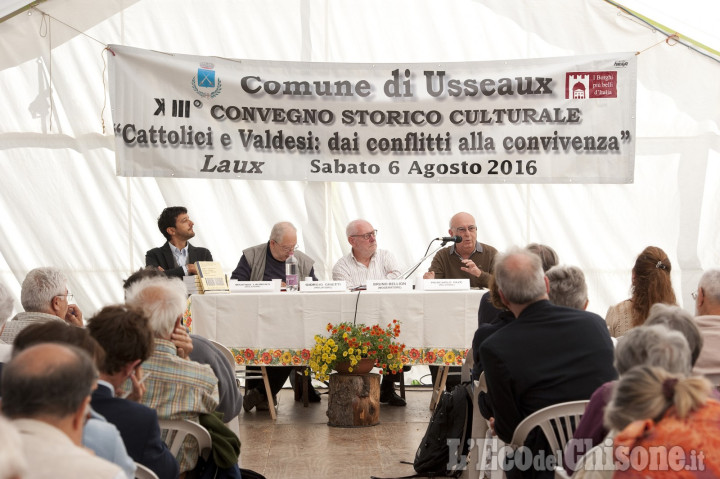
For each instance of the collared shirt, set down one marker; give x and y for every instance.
(383, 265)
(180, 255)
(447, 263)
(51, 453)
(178, 389)
(21, 321)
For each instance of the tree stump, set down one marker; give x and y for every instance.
(354, 400)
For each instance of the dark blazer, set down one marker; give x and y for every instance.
(548, 355)
(163, 257)
(138, 426)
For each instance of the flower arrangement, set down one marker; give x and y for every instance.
(353, 342)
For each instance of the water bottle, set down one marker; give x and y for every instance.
(291, 273)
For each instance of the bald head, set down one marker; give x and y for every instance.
(47, 380)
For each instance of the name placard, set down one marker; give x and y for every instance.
(251, 286)
(322, 286)
(446, 284)
(389, 285)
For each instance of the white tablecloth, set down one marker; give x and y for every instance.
(279, 322)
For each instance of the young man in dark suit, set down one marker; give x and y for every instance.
(176, 257)
(128, 341)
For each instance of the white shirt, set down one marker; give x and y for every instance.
(181, 256)
(51, 453)
(383, 265)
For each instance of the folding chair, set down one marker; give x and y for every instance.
(143, 472)
(179, 429)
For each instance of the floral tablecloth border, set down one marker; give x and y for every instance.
(300, 357)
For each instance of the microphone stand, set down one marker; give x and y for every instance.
(412, 269)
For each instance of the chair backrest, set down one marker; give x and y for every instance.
(558, 422)
(144, 472)
(226, 352)
(179, 429)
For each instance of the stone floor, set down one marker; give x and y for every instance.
(300, 444)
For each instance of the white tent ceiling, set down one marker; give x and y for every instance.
(62, 204)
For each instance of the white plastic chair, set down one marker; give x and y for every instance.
(144, 472)
(558, 422)
(179, 429)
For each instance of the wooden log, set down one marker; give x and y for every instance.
(354, 400)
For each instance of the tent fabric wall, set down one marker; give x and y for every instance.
(62, 205)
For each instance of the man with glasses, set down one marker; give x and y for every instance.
(265, 262)
(707, 318)
(176, 257)
(45, 297)
(467, 259)
(365, 261)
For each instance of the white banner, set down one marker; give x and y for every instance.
(549, 120)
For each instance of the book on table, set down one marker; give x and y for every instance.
(212, 278)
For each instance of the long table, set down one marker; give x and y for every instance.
(278, 329)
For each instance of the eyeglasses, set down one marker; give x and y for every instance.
(286, 249)
(462, 229)
(366, 236)
(694, 294)
(68, 296)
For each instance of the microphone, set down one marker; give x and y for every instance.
(450, 239)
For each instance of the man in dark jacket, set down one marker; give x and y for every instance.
(176, 257)
(548, 355)
(128, 341)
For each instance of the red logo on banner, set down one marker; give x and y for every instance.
(582, 85)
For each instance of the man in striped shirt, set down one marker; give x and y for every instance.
(365, 261)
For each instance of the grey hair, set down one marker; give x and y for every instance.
(548, 255)
(653, 345)
(6, 304)
(161, 300)
(710, 284)
(39, 288)
(351, 228)
(567, 286)
(646, 392)
(279, 230)
(519, 275)
(677, 319)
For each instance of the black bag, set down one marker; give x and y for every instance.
(444, 448)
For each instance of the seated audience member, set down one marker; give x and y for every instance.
(493, 315)
(668, 414)
(99, 435)
(176, 257)
(45, 297)
(568, 287)
(6, 308)
(649, 345)
(489, 310)
(176, 388)
(707, 318)
(60, 379)
(650, 284)
(530, 363)
(265, 262)
(198, 349)
(365, 261)
(12, 461)
(127, 340)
